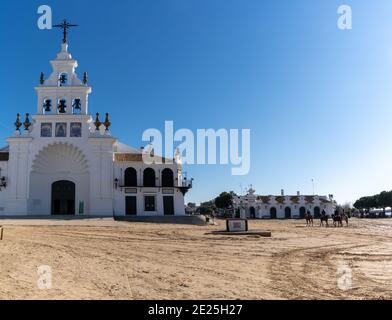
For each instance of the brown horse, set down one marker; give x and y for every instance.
(309, 219)
(324, 218)
(337, 220)
(345, 218)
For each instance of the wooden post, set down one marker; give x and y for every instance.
(1, 233)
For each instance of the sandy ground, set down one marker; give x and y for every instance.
(104, 259)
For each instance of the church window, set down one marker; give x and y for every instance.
(62, 106)
(149, 203)
(149, 178)
(76, 130)
(46, 130)
(47, 105)
(76, 106)
(63, 79)
(167, 178)
(61, 130)
(130, 177)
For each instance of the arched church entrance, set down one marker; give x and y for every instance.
(273, 213)
(252, 212)
(302, 212)
(316, 212)
(59, 181)
(287, 213)
(63, 198)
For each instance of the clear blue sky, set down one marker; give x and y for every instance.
(318, 100)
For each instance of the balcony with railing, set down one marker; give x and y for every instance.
(184, 185)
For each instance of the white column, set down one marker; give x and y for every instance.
(40, 103)
(69, 103)
(242, 213)
(18, 170)
(84, 102)
(102, 178)
(159, 203)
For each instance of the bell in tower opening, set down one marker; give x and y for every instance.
(47, 105)
(63, 79)
(77, 106)
(62, 107)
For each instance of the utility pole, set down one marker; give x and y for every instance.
(313, 185)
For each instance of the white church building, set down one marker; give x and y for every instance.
(253, 206)
(63, 161)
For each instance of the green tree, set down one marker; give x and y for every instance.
(366, 203)
(191, 205)
(389, 200)
(224, 200)
(385, 200)
(205, 210)
(360, 204)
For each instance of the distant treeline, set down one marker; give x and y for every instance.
(382, 200)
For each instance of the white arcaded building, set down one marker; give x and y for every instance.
(255, 206)
(62, 161)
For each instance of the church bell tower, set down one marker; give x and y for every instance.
(63, 92)
(60, 159)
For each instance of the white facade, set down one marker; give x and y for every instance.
(282, 207)
(58, 162)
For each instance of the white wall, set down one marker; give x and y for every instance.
(3, 191)
(120, 195)
(263, 210)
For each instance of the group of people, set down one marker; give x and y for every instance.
(337, 219)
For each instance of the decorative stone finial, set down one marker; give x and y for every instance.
(18, 124)
(177, 156)
(85, 78)
(41, 78)
(97, 122)
(107, 123)
(27, 122)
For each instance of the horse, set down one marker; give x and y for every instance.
(345, 218)
(324, 218)
(309, 219)
(337, 219)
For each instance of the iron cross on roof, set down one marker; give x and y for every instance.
(65, 26)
